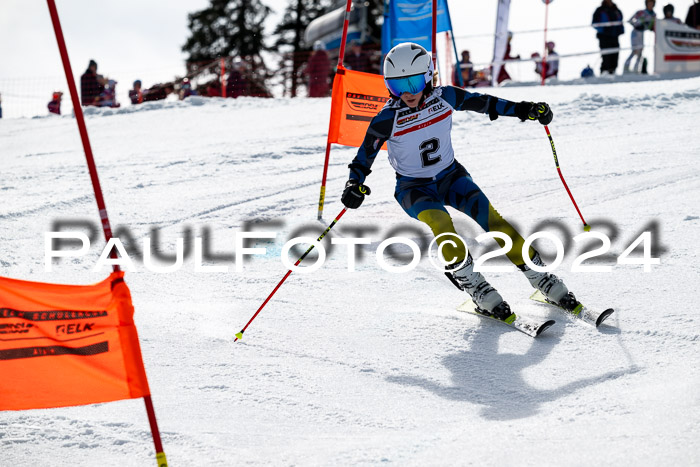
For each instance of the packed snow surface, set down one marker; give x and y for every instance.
(370, 367)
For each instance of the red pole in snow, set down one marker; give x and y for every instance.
(449, 65)
(340, 71)
(223, 77)
(279, 284)
(343, 40)
(160, 455)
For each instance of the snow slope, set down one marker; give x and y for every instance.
(367, 367)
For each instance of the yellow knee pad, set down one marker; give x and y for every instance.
(498, 223)
(440, 222)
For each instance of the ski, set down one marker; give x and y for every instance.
(523, 324)
(594, 318)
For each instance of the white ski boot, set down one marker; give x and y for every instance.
(550, 285)
(485, 297)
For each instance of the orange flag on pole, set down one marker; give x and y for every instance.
(63, 345)
(357, 98)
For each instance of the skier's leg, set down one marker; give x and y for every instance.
(637, 40)
(550, 285)
(638, 61)
(420, 201)
(628, 62)
(466, 196)
(440, 223)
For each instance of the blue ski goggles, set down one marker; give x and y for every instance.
(411, 84)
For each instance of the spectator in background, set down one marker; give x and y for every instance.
(668, 14)
(108, 98)
(503, 74)
(158, 92)
(551, 66)
(643, 20)
(356, 59)
(91, 85)
(0, 105)
(318, 69)
(214, 89)
(237, 84)
(135, 94)
(693, 17)
(466, 68)
(608, 36)
(55, 104)
(186, 89)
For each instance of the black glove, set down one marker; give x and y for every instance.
(531, 111)
(354, 194)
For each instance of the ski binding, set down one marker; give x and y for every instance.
(585, 314)
(529, 326)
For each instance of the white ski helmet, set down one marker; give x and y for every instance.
(408, 67)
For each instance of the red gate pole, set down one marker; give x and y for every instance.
(346, 23)
(544, 55)
(434, 38)
(78, 110)
(223, 77)
(450, 69)
(340, 70)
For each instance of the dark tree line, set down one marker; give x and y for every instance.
(227, 28)
(290, 33)
(235, 28)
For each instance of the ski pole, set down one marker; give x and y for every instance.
(586, 227)
(240, 334)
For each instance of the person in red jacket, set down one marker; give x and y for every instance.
(135, 94)
(318, 69)
(55, 104)
(237, 84)
(503, 74)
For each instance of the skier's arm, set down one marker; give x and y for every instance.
(460, 99)
(378, 132)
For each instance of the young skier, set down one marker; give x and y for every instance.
(416, 123)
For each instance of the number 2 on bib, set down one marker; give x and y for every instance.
(428, 148)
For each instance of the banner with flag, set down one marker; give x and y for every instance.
(501, 41)
(412, 21)
(357, 98)
(63, 345)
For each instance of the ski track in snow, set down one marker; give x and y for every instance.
(367, 367)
